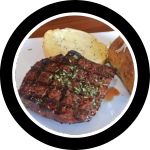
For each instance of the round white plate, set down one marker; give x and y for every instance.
(107, 113)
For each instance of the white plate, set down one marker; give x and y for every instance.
(107, 112)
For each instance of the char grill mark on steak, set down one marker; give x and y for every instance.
(68, 89)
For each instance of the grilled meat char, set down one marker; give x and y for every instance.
(68, 89)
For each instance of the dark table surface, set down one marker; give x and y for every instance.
(86, 24)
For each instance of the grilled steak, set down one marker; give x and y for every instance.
(68, 89)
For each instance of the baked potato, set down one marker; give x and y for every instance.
(120, 58)
(60, 41)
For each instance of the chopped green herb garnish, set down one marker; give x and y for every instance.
(84, 68)
(94, 104)
(85, 97)
(84, 90)
(82, 78)
(65, 71)
(70, 74)
(52, 64)
(63, 74)
(68, 82)
(76, 92)
(93, 100)
(76, 70)
(69, 86)
(88, 82)
(51, 77)
(96, 80)
(92, 92)
(62, 83)
(91, 42)
(77, 89)
(69, 54)
(53, 83)
(96, 89)
(100, 82)
(69, 60)
(59, 80)
(105, 84)
(56, 77)
(80, 83)
(71, 67)
(94, 54)
(89, 86)
(29, 49)
(76, 57)
(73, 77)
(57, 70)
(66, 79)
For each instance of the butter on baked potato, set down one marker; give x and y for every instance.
(60, 41)
(120, 58)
